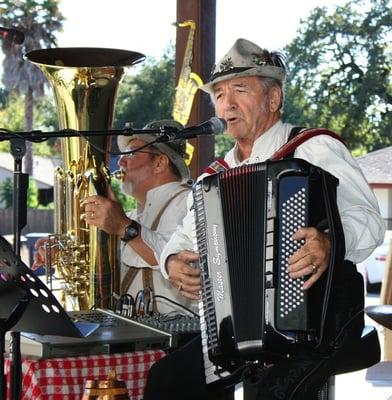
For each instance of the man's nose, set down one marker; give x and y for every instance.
(230, 103)
(122, 161)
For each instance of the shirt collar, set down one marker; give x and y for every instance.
(263, 148)
(160, 194)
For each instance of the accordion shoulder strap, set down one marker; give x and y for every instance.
(216, 166)
(299, 136)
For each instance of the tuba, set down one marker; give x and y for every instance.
(85, 83)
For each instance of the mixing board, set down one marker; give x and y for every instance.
(178, 324)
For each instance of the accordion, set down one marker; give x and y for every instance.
(245, 218)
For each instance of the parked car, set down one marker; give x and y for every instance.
(373, 267)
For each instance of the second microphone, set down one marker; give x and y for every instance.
(213, 126)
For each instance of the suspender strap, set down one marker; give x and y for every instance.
(154, 225)
(297, 137)
(129, 277)
(146, 272)
(148, 281)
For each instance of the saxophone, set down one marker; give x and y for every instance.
(85, 83)
(188, 81)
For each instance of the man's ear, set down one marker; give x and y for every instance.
(275, 99)
(161, 163)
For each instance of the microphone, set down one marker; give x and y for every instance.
(213, 126)
(12, 35)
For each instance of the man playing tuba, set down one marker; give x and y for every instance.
(157, 177)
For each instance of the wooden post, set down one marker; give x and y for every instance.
(386, 298)
(203, 12)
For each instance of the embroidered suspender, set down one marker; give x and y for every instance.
(147, 272)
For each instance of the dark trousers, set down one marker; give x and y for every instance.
(180, 375)
(299, 376)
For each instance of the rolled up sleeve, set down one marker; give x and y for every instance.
(362, 223)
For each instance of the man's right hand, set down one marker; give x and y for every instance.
(106, 213)
(183, 276)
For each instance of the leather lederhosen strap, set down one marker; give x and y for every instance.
(146, 272)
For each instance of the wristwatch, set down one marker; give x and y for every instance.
(131, 232)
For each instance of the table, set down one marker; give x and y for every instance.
(65, 378)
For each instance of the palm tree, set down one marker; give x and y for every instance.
(39, 20)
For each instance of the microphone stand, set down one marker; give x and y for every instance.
(21, 184)
(39, 136)
(5, 326)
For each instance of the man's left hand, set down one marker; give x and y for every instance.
(312, 258)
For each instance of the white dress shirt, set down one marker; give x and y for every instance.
(172, 216)
(358, 208)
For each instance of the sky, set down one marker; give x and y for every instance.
(146, 25)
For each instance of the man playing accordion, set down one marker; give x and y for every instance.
(246, 88)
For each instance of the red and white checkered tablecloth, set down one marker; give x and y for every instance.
(65, 378)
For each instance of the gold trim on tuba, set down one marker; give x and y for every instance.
(85, 83)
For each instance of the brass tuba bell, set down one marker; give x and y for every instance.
(85, 83)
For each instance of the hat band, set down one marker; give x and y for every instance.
(229, 71)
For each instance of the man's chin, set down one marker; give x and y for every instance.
(235, 130)
(235, 134)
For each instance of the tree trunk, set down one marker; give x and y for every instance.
(28, 159)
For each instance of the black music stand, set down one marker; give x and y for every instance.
(28, 305)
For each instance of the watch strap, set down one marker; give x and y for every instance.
(131, 231)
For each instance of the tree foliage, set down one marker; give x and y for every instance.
(223, 143)
(148, 95)
(340, 73)
(32, 194)
(39, 20)
(12, 118)
(7, 193)
(128, 202)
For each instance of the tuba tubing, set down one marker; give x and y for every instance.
(85, 82)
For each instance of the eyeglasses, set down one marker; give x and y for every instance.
(134, 152)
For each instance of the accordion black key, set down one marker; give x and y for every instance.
(245, 218)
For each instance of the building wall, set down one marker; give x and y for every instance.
(4, 174)
(384, 197)
(37, 221)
